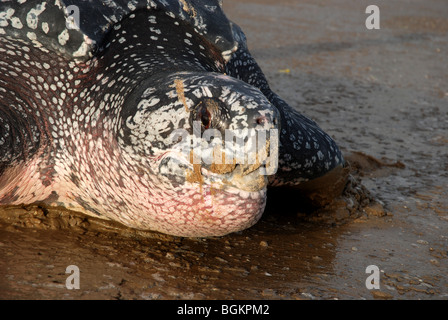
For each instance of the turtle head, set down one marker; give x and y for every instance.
(210, 141)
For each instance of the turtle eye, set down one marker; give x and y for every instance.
(205, 117)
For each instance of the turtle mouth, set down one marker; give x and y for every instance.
(226, 177)
(249, 178)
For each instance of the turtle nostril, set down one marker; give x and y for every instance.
(261, 120)
(266, 121)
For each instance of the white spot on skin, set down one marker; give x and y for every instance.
(5, 16)
(206, 91)
(16, 23)
(32, 16)
(45, 27)
(63, 37)
(31, 36)
(155, 30)
(82, 50)
(152, 19)
(132, 5)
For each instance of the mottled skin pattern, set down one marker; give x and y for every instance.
(86, 115)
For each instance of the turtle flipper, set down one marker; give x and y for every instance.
(306, 152)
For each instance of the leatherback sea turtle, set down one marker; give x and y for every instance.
(92, 91)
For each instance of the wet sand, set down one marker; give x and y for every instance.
(382, 94)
